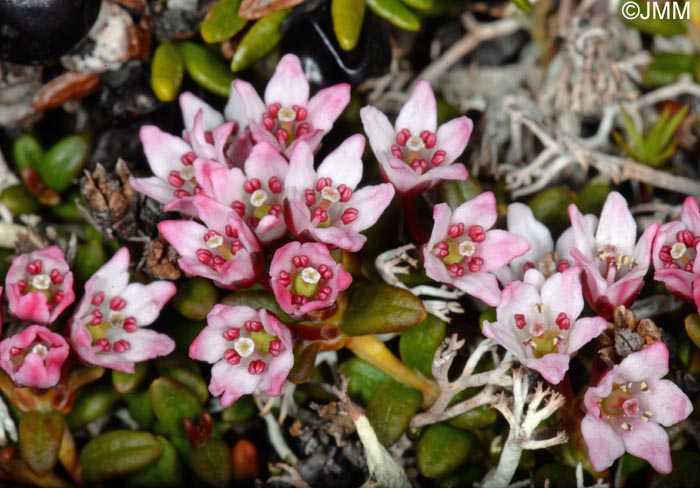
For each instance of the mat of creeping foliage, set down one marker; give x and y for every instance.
(349, 243)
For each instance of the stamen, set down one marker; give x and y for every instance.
(256, 367)
(258, 198)
(678, 250)
(415, 143)
(41, 350)
(310, 275)
(56, 276)
(244, 346)
(626, 426)
(187, 173)
(286, 114)
(231, 334)
(232, 357)
(520, 322)
(646, 416)
(331, 194)
(41, 282)
(467, 248)
(15, 351)
(115, 319)
(563, 321)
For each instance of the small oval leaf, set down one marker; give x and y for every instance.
(172, 403)
(222, 21)
(442, 449)
(391, 409)
(379, 308)
(118, 453)
(40, 436)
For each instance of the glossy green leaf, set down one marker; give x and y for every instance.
(40, 436)
(140, 409)
(172, 403)
(256, 299)
(206, 68)
(212, 462)
(551, 206)
(167, 72)
(128, 382)
(442, 449)
(418, 345)
(19, 200)
(666, 67)
(475, 419)
(195, 298)
(64, 162)
(259, 40)
(420, 4)
(242, 409)
(523, 5)
(455, 192)
(395, 12)
(222, 21)
(192, 380)
(363, 378)
(692, 327)
(118, 453)
(91, 404)
(347, 21)
(378, 308)
(166, 471)
(90, 257)
(391, 409)
(27, 152)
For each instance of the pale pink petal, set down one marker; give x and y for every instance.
(401, 175)
(563, 293)
(650, 362)
(442, 216)
(642, 251)
(235, 110)
(584, 239)
(219, 182)
(434, 268)
(153, 187)
(230, 391)
(583, 331)
(649, 441)
(145, 344)
(419, 113)
(690, 214)
(455, 171)
(260, 134)
(379, 131)
(252, 103)
(504, 335)
(344, 164)
(452, 137)
(522, 222)
(144, 302)
(678, 282)
(301, 174)
(616, 226)
(483, 286)
(480, 210)
(499, 248)
(667, 402)
(517, 298)
(372, 201)
(603, 442)
(326, 106)
(191, 104)
(208, 345)
(551, 366)
(288, 85)
(162, 150)
(266, 162)
(337, 237)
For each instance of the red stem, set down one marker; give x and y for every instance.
(410, 215)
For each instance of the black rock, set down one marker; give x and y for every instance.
(37, 31)
(309, 34)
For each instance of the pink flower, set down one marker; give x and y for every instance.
(256, 193)
(34, 357)
(675, 250)
(323, 205)
(412, 155)
(108, 330)
(613, 267)
(542, 256)
(250, 349)
(305, 278)
(538, 321)
(222, 248)
(628, 408)
(288, 115)
(39, 285)
(462, 251)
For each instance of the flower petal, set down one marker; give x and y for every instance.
(344, 164)
(603, 442)
(301, 174)
(583, 331)
(288, 85)
(253, 105)
(648, 363)
(551, 366)
(616, 226)
(162, 150)
(153, 187)
(379, 131)
(191, 104)
(499, 248)
(483, 286)
(667, 402)
(371, 201)
(144, 302)
(649, 441)
(452, 137)
(419, 113)
(562, 293)
(326, 106)
(480, 210)
(583, 238)
(522, 222)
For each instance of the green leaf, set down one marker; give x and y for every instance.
(666, 67)
(40, 436)
(91, 404)
(195, 298)
(363, 378)
(523, 5)
(391, 409)
(128, 382)
(19, 200)
(417, 346)
(172, 403)
(395, 13)
(27, 152)
(419, 4)
(475, 419)
(90, 257)
(64, 162)
(167, 72)
(192, 380)
(212, 462)
(222, 22)
(140, 409)
(442, 449)
(550, 206)
(259, 40)
(456, 192)
(206, 68)
(166, 471)
(304, 361)
(378, 308)
(663, 25)
(256, 299)
(347, 21)
(692, 327)
(242, 409)
(118, 453)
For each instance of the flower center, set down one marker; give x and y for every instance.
(682, 253)
(542, 336)
(286, 114)
(258, 198)
(416, 150)
(329, 195)
(251, 342)
(41, 350)
(623, 404)
(183, 180)
(41, 282)
(286, 123)
(244, 346)
(458, 250)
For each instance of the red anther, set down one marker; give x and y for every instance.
(209, 137)
(98, 298)
(256, 367)
(689, 265)
(456, 269)
(456, 230)
(188, 158)
(429, 139)
(252, 325)
(438, 157)
(219, 261)
(15, 351)
(672, 266)
(310, 197)
(303, 128)
(419, 165)
(325, 272)
(299, 300)
(175, 179)
(275, 185)
(254, 222)
(236, 246)
(528, 266)
(284, 278)
(231, 334)
(58, 296)
(121, 345)
(563, 321)
(181, 194)
(34, 267)
(402, 137)
(319, 214)
(238, 207)
(130, 324)
(251, 185)
(349, 215)
(22, 286)
(209, 234)
(562, 265)
(301, 113)
(96, 317)
(103, 344)
(230, 231)
(300, 261)
(274, 109)
(520, 320)
(234, 128)
(197, 190)
(476, 233)
(275, 347)
(282, 135)
(232, 357)
(324, 293)
(443, 249)
(322, 183)
(117, 303)
(268, 122)
(396, 151)
(686, 237)
(275, 210)
(56, 277)
(345, 193)
(475, 264)
(205, 256)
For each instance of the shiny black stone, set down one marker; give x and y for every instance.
(37, 31)
(309, 34)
